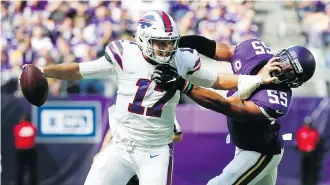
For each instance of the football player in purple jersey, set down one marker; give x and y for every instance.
(251, 118)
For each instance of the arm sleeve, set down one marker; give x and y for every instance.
(203, 77)
(98, 68)
(202, 44)
(194, 70)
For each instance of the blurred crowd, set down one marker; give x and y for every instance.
(315, 20)
(54, 32)
(225, 21)
(44, 33)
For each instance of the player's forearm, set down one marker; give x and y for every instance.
(106, 140)
(232, 107)
(66, 71)
(209, 99)
(226, 82)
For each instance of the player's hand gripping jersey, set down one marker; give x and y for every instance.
(273, 101)
(144, 113)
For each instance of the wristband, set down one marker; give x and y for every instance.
(247, 84)
(188, 87)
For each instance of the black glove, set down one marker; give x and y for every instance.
(167, 78)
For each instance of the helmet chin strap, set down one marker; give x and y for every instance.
(149, 60)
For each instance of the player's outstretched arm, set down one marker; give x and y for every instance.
(245, 84)
(65, 71)
(76, 71)
(233, 107)
(210, 48)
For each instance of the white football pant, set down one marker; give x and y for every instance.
(118, 162)
(249, 168)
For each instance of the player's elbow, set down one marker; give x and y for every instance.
(224, 52)
(231, 110)
(76, 76)
(71, 72)
(219, 84)
(225, 82)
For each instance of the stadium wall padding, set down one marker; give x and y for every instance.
(201, 155)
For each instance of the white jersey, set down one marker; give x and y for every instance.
(143, 113)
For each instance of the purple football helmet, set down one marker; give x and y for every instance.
(298, 66)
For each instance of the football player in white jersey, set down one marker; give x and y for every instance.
(144, 115)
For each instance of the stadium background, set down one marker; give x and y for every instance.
(45, 33)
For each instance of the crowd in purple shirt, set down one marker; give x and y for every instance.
(44, 33)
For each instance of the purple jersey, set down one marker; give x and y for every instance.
(248, 55)
(273, 101)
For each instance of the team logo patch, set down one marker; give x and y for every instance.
(147, 21)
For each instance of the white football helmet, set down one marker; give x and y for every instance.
(157, 26)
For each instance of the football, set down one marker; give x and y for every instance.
(34, 85)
